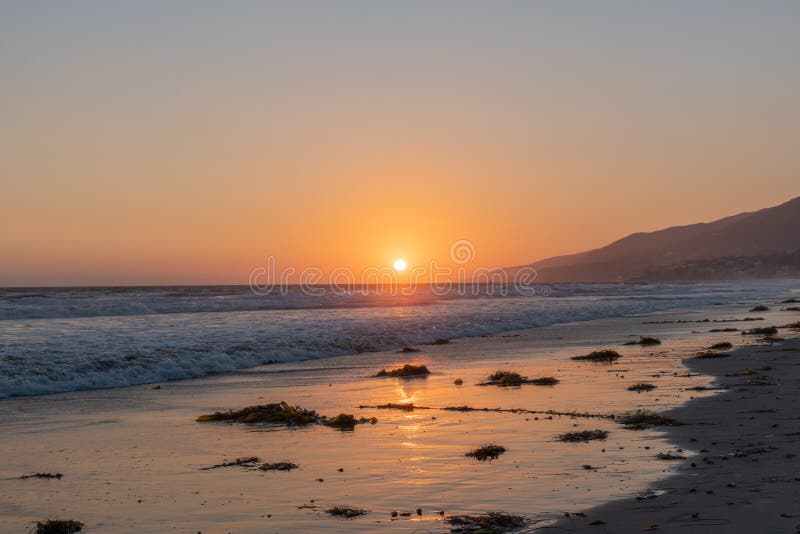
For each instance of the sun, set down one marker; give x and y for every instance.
(400, 264)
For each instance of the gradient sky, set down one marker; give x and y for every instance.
(183, 142)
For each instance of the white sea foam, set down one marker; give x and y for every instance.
(73, 339)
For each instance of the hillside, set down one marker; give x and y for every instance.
(756, 244)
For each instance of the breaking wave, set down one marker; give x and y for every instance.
(57, 340)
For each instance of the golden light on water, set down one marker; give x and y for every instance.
(405, 398)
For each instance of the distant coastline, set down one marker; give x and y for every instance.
(763, 244)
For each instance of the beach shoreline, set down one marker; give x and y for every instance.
(741, 447)
(140, 447)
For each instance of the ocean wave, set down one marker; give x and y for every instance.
(50, 355)
(64, 303)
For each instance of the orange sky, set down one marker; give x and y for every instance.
(143, 145)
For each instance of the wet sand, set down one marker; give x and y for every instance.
(742, 469)
(133, 458)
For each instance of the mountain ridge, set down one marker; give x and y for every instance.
(772, 232)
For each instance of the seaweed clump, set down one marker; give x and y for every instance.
(402, 406)
(583, 435)
(42, 475)
(345, 511)
(606, 355)
(641, 419)
(487, 452)
(710, 354)
(511, 378)
(728, 329)
(345, 421)
(247, 461)
(406, 371)
(281, 413)
(641, 386)
(765, 331)
(759, 308)
(722, 345)
(58, 526)
(669, 456)
(645, 341)
(278, 466)
(544, 381)
(491, 523)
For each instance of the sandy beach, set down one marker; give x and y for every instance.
(741, 471)
(136, 459)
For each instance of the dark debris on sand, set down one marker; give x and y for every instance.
(246, 461)
(42, 475)
(599, 356)
(406, 350)
(511, 378)
(402, 406)
(686, 321)
(406, 371)
(765, 331)
(582, 435)
(345, 511)
(722, 345)
(706, 354)
(549, 413)
(278, 466)
(487, 452)
(266, 413)
(345, 421)
(491, 523)
(641, 386)
(251, 462)
(669, 456)
(283, 413)
(759, 308)
(645, 341)
(641, 419)
(58, 526)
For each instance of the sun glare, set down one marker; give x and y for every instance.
(400, 264)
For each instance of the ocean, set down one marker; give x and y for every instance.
(67, 339)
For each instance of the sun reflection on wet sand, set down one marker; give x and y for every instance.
(403, 397)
